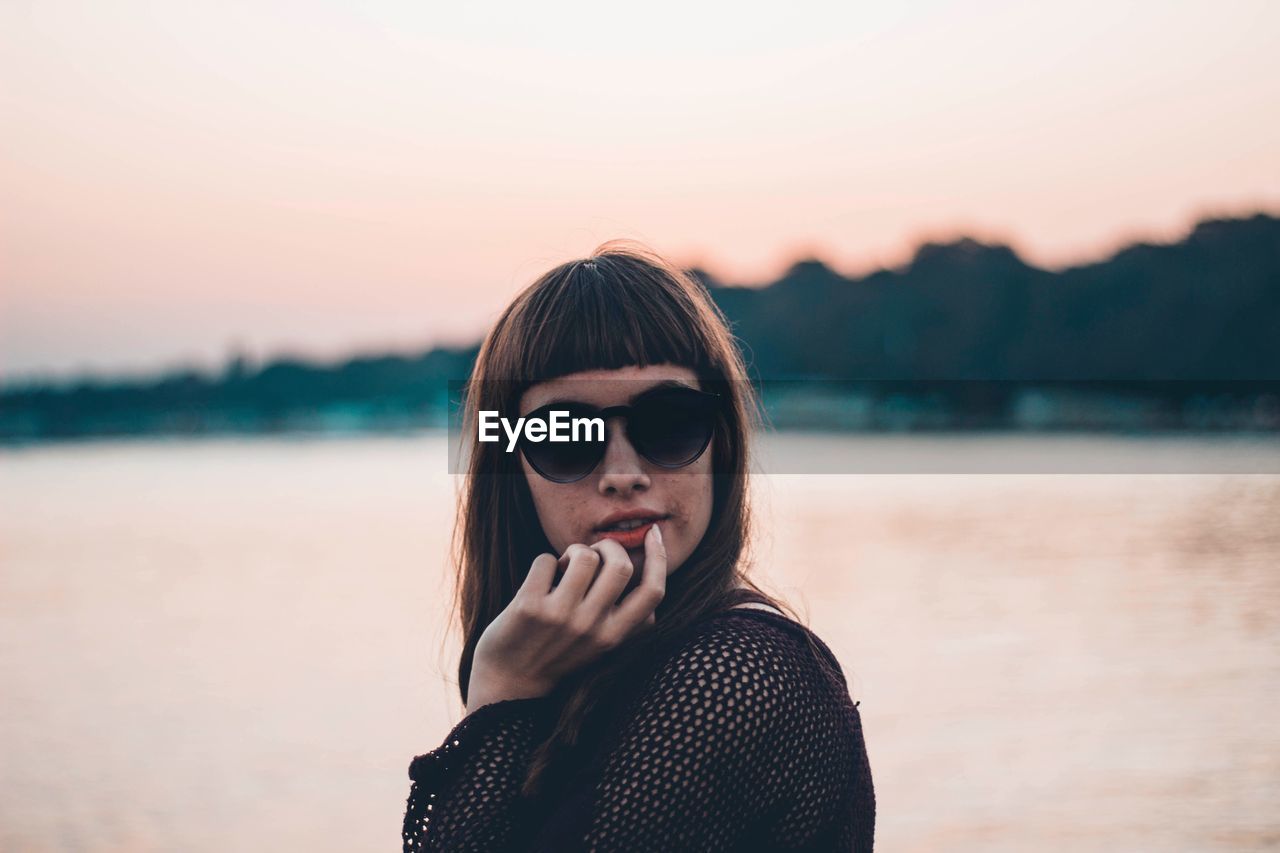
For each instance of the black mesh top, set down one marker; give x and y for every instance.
(742, 737)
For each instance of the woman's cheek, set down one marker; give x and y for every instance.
(680, 545)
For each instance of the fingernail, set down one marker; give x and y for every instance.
(657, 531)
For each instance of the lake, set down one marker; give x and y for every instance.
(240, 644)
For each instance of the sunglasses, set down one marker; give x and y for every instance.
(670, 426)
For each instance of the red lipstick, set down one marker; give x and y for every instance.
(627, 538)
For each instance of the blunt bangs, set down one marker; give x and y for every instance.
(606, 313)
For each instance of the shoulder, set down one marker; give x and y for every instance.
(793, 641)
(741, 725)
(742, 689)
(756, 661)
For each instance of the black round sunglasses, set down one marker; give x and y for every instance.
(670, 426)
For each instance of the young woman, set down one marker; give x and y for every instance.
(626, 686)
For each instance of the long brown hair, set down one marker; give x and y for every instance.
(623, 305)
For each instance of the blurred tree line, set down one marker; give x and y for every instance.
(965, 335)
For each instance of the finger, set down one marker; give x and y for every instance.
(644, 599)
(645, 624)
(612, 578)
(582, 563)
(537, 583)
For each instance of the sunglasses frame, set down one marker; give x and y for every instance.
(625, 411)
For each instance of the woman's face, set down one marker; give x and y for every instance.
(624, 481)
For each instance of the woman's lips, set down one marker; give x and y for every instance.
(627, 538)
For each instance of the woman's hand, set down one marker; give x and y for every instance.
(546, 633)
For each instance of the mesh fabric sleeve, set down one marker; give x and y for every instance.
(746, 737)
(464, 793)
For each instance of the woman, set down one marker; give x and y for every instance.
(626, 686)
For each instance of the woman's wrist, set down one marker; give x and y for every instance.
(486, 688)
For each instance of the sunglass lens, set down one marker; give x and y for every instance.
(564, 461)
(673, 430)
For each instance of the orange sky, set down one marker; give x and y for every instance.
(322, 178)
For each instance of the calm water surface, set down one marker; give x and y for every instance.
(215, 646)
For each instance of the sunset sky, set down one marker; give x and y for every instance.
(322, 178)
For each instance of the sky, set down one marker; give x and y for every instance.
(179, 180)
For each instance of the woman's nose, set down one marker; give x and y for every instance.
(622, 469)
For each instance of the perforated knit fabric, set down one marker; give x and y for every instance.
(742, 738)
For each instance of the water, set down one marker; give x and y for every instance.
(224, 645)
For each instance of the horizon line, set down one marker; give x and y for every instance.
(925, 238)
